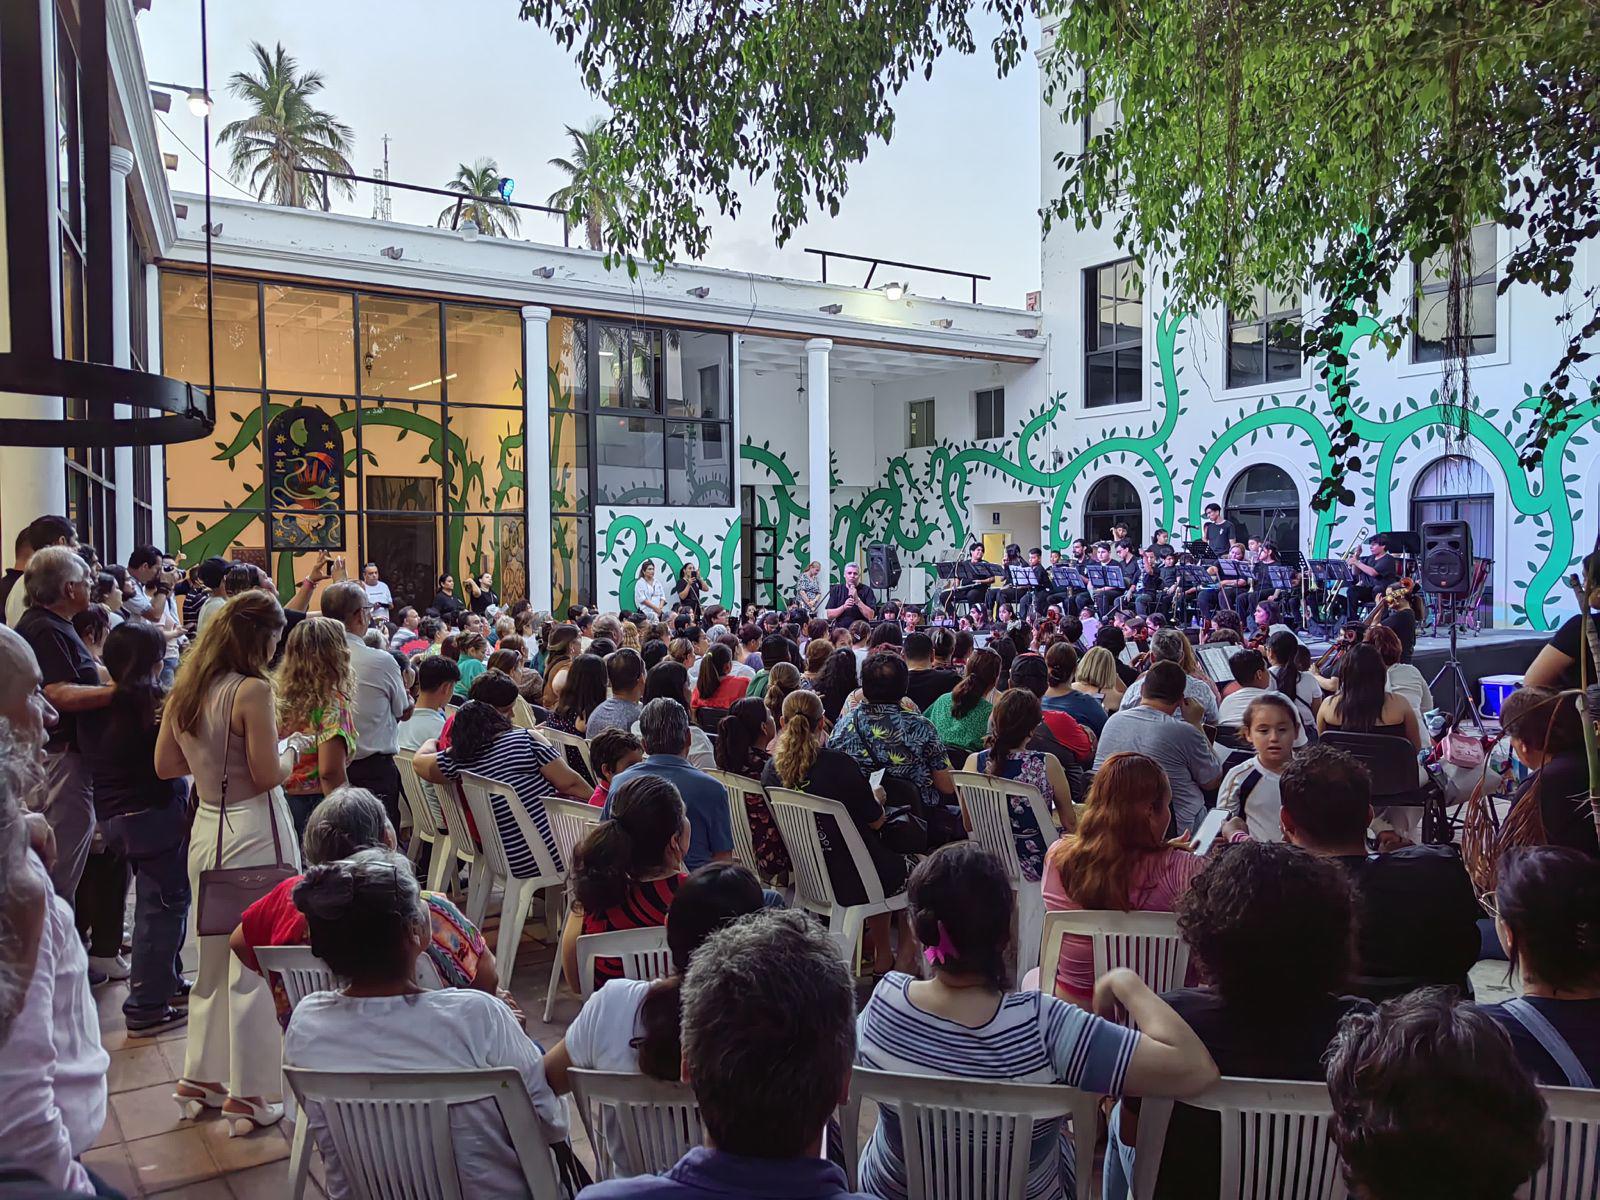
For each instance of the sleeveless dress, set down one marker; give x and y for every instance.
(1027, 766)
(233, 1035)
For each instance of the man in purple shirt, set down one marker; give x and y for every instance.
(768, 1038)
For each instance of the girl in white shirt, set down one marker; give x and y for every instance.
(632, 1024)
(368, 924)
(1250, 790)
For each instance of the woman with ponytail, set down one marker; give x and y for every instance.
(743, 738)
(962, 715)
(626, 870)
(1291, 675)
(368, 922)
(631, 1025)
(717, 686)
(1016, 715)
(803, 762)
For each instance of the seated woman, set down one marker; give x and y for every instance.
(1547, 735)
(1097, 678)
(483, 740)
(838, 678)
(1016, 716)
(802, 761)
(1363, 703)
(717, 686)
(964, 1022)
(671, 680)
(743, 740)
(583, 691)
(368, 923)
(1118, 859)
(1262, 1014)
(962, 715)
(350, 820)
(817, 652)
(1403, 679)
(1547, 913)
(632, 1024)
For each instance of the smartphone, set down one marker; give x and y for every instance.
(1209, 828)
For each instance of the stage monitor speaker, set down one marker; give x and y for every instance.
(1446, 556)
(883, 566)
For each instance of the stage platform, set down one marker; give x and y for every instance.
(1492, 652)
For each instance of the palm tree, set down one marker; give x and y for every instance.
(590, 198)
(481, 183)
(285, 131)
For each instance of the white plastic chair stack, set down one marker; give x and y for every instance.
(570, 822)
(643, 952)
(517, 899)
(987, 801)
(391, 1131)
(796, 815)
(1147, 943)
(739, 788)
(1275, 1143)
(969, 1139)
(658, 1122)
(1572, 1159)
(427, 823)
(565, 741)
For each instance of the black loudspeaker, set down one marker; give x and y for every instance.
(883, 566)
(1446, 556)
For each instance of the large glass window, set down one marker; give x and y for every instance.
(1262, 503)
(991, 412)
(1264, 340)
(919, 424)
(332, 403)
(1431, 299)
(1113, 305)
(1112, 501)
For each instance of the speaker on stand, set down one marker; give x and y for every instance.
(1446, 573)
(883, 568)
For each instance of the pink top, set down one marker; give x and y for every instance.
(1158, 880)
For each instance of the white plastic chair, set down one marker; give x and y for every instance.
(1572, 1160)
(301, 972)
(1274, 1141)
(519, 892)
(657, 1122)
(969, 1139)
(796, 815)
(570, 822)
(986, 799)
(466, 847)
(739, 789)
(427, 823)
(1148, 943)
(391, 1131)
(643, 952)
(564, 741)
(521, 715)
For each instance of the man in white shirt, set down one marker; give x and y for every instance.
(381, 702)
(1250, 673)
(378, 594)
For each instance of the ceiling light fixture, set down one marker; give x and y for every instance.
(832, 309)
(699, 293)
(942, 322)
(545, 272)
(417, 387)
(394, 252)
(894, 291)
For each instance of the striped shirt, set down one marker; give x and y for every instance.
(1032, 1038)
(516, 758)
(644, 907)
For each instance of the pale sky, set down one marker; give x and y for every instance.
(448, 82)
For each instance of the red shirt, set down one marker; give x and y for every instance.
(644, 907)
(731, 689)
(1064, 727)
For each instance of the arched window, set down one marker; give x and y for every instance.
(1457, 488)
(1110, 502)
(1262, 502)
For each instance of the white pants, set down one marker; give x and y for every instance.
(233, 1034)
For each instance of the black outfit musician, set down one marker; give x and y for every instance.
(972, 580)
(1072, 600)
(1371, 576)
(1218, 534)
(1263, 589)
(1005, 593)
(1036, 599)
(1232, 592)
(851, 600)
(1150, 595)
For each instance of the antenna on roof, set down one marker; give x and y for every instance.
(382, 208)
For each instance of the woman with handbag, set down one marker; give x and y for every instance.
(220, 726)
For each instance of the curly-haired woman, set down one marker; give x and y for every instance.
(315, 688)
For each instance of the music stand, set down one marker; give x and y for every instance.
(1115, 576)
(1227, 568)
(1292, 559)
(1095, 573)
(1200, 548)
(1279, 577)
(1065, 579)
(1192, 575)
(1022, 576)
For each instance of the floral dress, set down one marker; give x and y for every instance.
(772, 856)
(1027, 766)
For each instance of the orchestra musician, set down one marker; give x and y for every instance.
(851, 600)
(1036, 600)
(1105, 598)
(1160, 542)
(1230, 594)
(1148, 594)
(1374, 575)
(1175, 598)
(1003, 593)
(1266, 556)
(1072, 602)
(1217, 533)
(1080, 553)
(972, 579)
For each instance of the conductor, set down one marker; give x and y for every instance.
(851, 600)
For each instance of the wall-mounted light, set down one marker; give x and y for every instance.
(833, 310)
(469, 230)
(545, 272)
(181, 211)
(213, 230)
(394, 252)
(1028, 333)
(893, 291)
(199, 103)
(160, 101)
(699, 293)
(942, 322)
(170, 161)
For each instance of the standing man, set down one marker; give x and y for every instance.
(851, 600)
(381, 702)
(44, 531)
(57, 586)
(378, 593)
(1105, 598)
(13, 575)
(1218, 534)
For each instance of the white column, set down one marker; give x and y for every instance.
(158, 454)
(121, 353)
(536, 449)
(818, 498)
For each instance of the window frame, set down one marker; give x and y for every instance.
(1115, 348)
(995, 397)
(1263, 323)
(917, 439)
(1421, 289)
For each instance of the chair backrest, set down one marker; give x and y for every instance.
(570, 741)
(391, 1130)
(467, 845)
(708, 718)
(538, 864)
(739, 788)
(422, 797)
(987, 800)
(1148, 943)
(1390, 760)
(300, 971)
(796, 816)
(521, 715)
(1274, 1141)
(643, 952)
(1572, 1154)
(658, 1122)
(969, 1139)
(570, 822)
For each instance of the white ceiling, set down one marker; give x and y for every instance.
(787, 356)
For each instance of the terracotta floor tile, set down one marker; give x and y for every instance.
(111, 1164)
(172, 1051)
(136, 1067)
(268, 1182)
(145, 1112)
(171, 1160)
(240, 1153)
(206, 1189)
(110, 1132)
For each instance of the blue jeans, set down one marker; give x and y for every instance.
(1116, 1178)
(156, 845)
